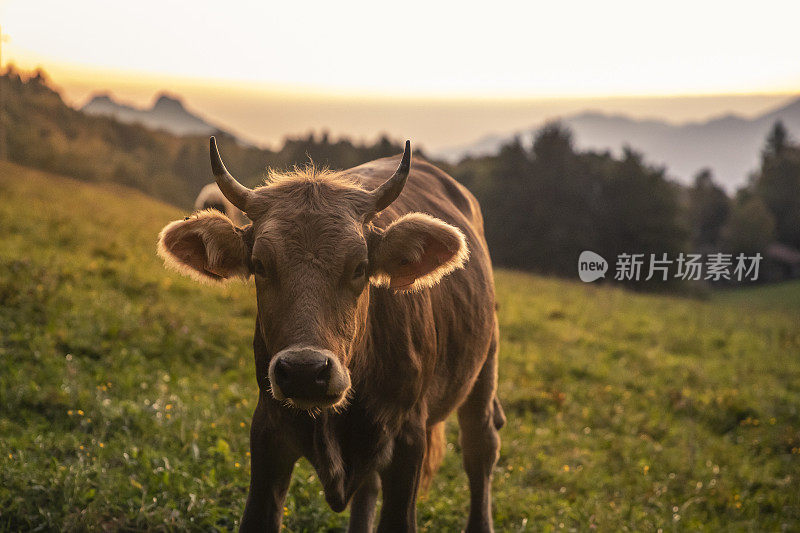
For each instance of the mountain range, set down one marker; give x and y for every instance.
(167, 113)
(729, 145)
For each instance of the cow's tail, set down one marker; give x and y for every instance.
(434, 453)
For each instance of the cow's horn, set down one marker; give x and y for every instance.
(234, 191)
(391, 188)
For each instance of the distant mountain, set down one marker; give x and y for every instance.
(167, 113)
(729, 145)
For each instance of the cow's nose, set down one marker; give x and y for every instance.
(303, 373)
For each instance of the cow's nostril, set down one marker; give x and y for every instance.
(324, 373)
(281, 369)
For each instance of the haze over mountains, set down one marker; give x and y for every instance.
(167, 113)
(730, 145)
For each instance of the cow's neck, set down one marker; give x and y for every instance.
(386, 368)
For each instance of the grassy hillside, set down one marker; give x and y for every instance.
(126, 391)
(778, 296)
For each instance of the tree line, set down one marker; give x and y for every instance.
(547, 202)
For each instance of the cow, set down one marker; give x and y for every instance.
(375, 321)
(211, 197)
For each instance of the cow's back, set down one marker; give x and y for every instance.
(449, 327)
(428, 189)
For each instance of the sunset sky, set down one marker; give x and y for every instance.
(341, 54)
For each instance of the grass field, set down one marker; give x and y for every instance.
(126, 392)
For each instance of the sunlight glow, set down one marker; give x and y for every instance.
(503, 49)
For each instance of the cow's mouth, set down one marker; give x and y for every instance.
(329, 401)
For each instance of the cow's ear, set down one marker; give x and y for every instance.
(206, 247)
(415, 251)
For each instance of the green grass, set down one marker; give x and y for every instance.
(126, 392)
(784, 296)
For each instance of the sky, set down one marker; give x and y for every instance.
(309, 64)
(498, 48)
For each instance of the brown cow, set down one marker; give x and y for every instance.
(373, 326)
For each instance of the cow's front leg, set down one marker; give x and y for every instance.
(400, 480)
(271, 465)
(362, 507)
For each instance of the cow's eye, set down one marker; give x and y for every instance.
(259, 268)
(360, 270)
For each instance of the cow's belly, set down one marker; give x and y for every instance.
(453, 387)
(463, 355)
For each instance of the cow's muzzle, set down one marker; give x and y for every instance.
(308, 377)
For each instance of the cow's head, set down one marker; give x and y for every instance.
(313, 252)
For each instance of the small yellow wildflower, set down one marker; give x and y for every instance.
(565, 468)
(236, 465)
(213, 424)
(69, 412)
(101, 444)
(241, 424)
(646, 469)
(80, 412)
(168, 406)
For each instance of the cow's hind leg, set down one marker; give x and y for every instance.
(479, 418)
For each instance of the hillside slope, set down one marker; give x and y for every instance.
(126, 392)
(43, 132)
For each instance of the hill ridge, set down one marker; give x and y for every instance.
(729, 144)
